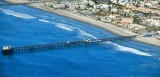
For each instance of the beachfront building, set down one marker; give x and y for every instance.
(151, 4)
(73, 5)
(122, 22)
(113, 16)
(55, 5)
(152, 22)
(124, 2)
(104, 6)
(49, 4)
(114, 10)
(106, 19)
(131, 6)
(59, 6)
(82, 7)
(81, 4)
(127, 21)
(136, 27)
(87, 12)
(145, 10)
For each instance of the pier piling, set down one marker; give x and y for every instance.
(8, 50)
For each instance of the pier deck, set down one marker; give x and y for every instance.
(7, 50)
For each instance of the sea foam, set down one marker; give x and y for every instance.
(70, 28)
(16, 14)
(128, 49)
(42, 20)
(65, 27)
(86, 34)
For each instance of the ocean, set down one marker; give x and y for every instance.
(24, 26)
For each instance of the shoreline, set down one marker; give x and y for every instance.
(105, 26)
(105, 29)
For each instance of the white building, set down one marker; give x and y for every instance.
(136, 27)
(104, 6)
(124, 2)
(152, 22)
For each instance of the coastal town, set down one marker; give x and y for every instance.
(80, 38)
(128, 17)
(139, 16)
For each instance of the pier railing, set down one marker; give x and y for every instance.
(8, 50)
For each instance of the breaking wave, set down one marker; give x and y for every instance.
(86, 34)
(128, 49)
(42, 20)
(70, 28)
(65, 27)
(16, 14)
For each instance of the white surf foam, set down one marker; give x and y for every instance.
(128, 49)
(86, 34)
(70, 28)
(65, 27)
(42, 20)
(16, 14)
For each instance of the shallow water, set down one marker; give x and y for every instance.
(22, 26)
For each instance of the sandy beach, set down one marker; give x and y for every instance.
(106, 26)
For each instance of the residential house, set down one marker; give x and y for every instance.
(49, 4)
(124, 2)
(113, 16)
(59, 6)
(87, 12)
(104, 6)
(74, 5)
(106, 19)
(114, 10)
(152, 22)
(136, 27)
(127, 21)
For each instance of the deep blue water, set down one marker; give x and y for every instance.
(22, 26)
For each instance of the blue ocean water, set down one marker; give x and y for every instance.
(23, 26)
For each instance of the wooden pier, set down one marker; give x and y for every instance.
(8, 50)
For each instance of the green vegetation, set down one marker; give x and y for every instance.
(98, 13)
(153, 28)
(88, 5)
(101, 13)
(95, 1)
(138, 21)
(110, 2)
